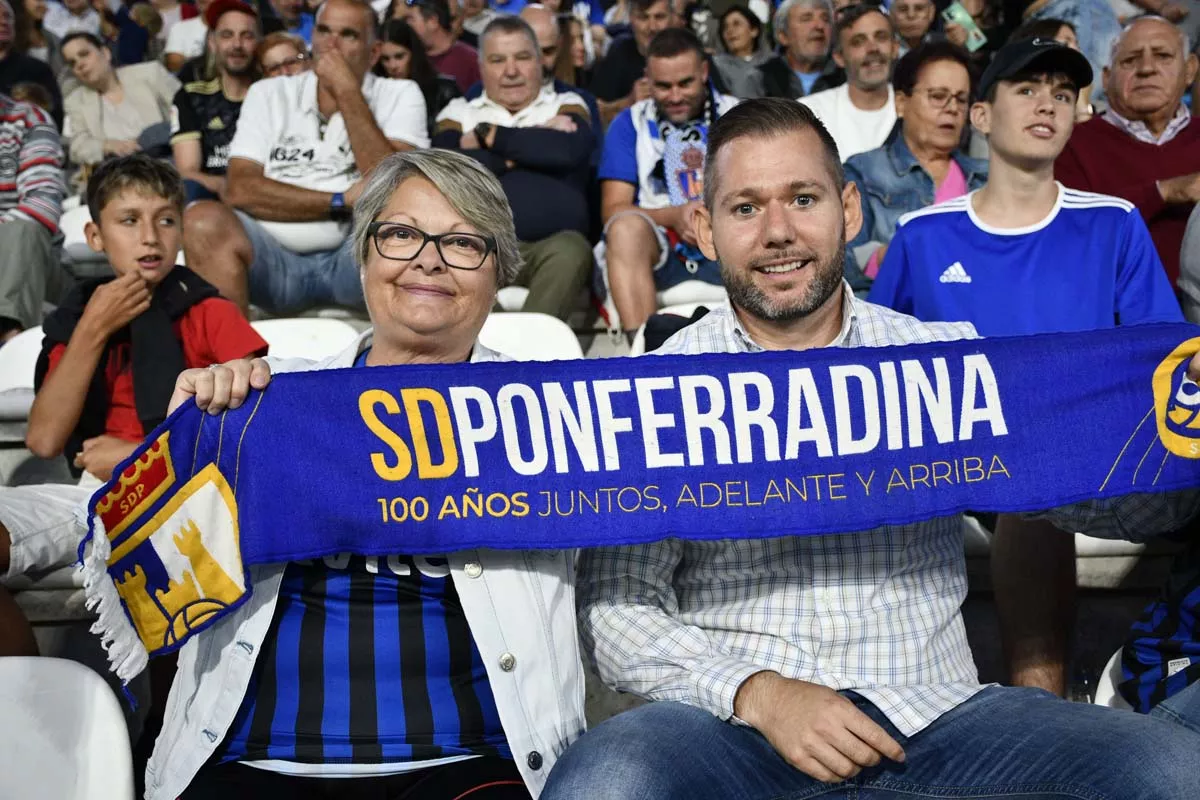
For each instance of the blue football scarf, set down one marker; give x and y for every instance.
(433, 459)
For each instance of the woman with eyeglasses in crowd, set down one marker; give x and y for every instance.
(922, 161)
(282, 53)
(403, 56)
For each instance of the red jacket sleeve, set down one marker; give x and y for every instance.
(214, 331)
(1071, 171)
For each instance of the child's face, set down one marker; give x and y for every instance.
(138, 231)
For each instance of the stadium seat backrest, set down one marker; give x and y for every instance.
(64, 735)
(17, 359)
(305, 337)
(528, 336)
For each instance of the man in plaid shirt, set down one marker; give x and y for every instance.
(31, 193)
(829, 665)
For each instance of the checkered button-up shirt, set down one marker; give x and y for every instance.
(875, 611)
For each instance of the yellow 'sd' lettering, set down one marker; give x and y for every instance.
(441, 413)
(367, 401)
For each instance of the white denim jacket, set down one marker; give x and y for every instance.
(520, 606)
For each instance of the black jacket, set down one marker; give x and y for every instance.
(780, 81)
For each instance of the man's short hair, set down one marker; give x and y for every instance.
(675, 42)
(433, 9)
(908, 68)
(849, 16)
(783, 14)
(762, 117)
(643, 6)
(508, 24)
(138, 172)
(369, 16)
(1185, 41)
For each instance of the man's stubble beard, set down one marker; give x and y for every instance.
(827, 277)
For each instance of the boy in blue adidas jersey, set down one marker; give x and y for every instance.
(1025, 255)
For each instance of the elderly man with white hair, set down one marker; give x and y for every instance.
(804, 30)
(1146, 146)
(539, 142)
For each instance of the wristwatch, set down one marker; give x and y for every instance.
(482, 131)
(338, 210)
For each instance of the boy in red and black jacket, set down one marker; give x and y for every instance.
(109, 361)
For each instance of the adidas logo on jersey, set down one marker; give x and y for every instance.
(955, 274)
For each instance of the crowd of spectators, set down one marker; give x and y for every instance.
(1026, 167)
(892, 82)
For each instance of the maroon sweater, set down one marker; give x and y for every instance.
(1100, 157)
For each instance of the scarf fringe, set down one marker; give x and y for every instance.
(127, 656)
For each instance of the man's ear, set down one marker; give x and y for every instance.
(702, 225)
(95, 240)
(851, 210)
(1190, 67)
(839, 59)
(981, 117)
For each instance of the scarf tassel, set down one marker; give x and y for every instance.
(127, 656)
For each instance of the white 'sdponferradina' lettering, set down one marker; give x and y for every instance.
(893, 405)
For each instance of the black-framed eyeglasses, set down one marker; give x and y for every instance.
(398, 242)
(271, 70)
(940, 98)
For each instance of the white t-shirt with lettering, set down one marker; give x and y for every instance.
(281, 128)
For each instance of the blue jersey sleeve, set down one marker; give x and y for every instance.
(619, 162)
(893, 284)
(1143, 292)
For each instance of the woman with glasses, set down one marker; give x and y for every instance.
(402, 56)
(282, 53)
(922, 161)
(419, 678)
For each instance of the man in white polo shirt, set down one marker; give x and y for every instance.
(303, 144)
(539, 142)
(860, 113)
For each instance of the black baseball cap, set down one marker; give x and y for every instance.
(1041, 55)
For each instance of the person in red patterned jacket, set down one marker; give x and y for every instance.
(31, 193)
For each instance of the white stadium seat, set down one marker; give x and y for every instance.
(512, 298)
(75, 243)
(1106, 686)
(305, 337)
(64, 734)
(529, 336)
(17, 359)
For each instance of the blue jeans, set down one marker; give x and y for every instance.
(1004, 742)
(283, 282)
(1182, 708)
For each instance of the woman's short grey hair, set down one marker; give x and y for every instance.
(466, 184)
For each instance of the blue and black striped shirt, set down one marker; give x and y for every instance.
(368, 661)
